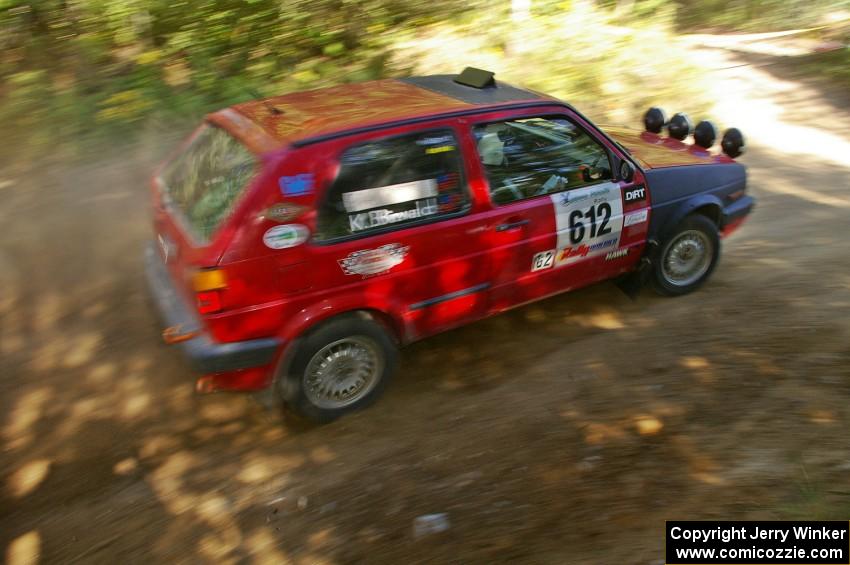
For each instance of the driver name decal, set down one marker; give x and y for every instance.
(383, 217)
(588, 222)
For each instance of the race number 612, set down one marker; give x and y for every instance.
(603, 212)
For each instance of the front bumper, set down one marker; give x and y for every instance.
(737, 211)
(205, 355)
(735, 214)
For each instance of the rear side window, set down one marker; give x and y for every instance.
(204, 181)
(394, 182)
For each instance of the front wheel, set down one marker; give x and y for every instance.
(687, 257)
(342, 366)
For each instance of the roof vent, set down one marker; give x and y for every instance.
(476, 78)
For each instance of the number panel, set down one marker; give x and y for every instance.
(589, 222)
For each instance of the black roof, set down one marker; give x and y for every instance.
(446, 85)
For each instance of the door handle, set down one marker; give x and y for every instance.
(512, 225)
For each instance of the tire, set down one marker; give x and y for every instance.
(322, 381)
(676, 269)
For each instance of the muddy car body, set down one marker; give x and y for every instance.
(300, 239)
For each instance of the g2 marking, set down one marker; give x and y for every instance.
(542, 260)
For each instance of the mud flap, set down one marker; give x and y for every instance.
(632, 283)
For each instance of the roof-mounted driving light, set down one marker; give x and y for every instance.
(733, 142)
(654, 120)
(705, 134)
(679, 126)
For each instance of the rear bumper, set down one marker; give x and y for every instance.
(204, 355)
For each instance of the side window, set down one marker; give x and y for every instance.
(530, 157)
(394, 182)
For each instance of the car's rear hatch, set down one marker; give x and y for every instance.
(195, 194)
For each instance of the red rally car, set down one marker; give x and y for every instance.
(301, 239)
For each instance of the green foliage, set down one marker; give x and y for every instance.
(100, 66)
(755, 15)
(581, 54)
(93, 69)
(833, 65)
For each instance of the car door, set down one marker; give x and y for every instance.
(397, 230)
(556, 211)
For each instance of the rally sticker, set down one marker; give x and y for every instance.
(296, 185)
(282, 237)
(368, 262)
(284, 212)
(441, 149)
(589, 221)
(635, 218)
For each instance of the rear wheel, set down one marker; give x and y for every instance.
(342, 366)
(687, 257)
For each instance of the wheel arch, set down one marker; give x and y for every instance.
(706, 205)
(311, 319)
(711, 211)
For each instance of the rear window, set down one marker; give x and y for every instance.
(205, 180)
(392, 183)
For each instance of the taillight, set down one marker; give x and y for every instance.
(208, 285)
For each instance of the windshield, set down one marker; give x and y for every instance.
(205, 180)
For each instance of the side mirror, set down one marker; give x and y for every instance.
(627, 171)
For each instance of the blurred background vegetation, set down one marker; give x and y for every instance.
(89, 70)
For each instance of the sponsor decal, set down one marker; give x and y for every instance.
(284, 212)
(584, 250)
(617, 254)
(377, 218)
(389, 195)
(589, 221)
(450, 202)
(635, 194)
(282, 237)
(450, 198)
(296, 185)
(447, 181)
(543, 260)
(441, 149)
(635, 218)
(440, 140)
(597, 194)
(371, 262)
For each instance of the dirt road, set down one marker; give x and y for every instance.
(563, 432)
